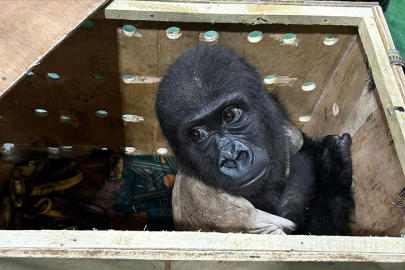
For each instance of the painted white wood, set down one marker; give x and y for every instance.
(199, 246)
(263, 13)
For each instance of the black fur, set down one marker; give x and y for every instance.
(247, 156)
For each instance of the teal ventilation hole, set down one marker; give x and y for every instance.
(308, 86)
(128, 78)
(330, 39)
(255, 36)
(304, 118)
(211, 36)
(65, 119)
(41, 112)
(270, 79)
(101, 113)
(173, 32)
(87, 25)
(290, 38)
(98, 78)
(53, 76)
(129, 149)
(129, 30)
(127, 117)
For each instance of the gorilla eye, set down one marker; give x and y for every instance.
(197, 134)
(231, 114)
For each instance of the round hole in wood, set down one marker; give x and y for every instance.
(211, 36)
(290, 38)
(255, 36)
(173, 32)
(129, 149)
(129, 30)
(270, 79)
(304, 118)
(132, 118)
(128, 78)
(162, 151)
(87, 24)
(330, 40)
(101, 113)
(308, 86)
(65, 119)
(53, 76)
(41, 112)
(98, 78)
(335, 109)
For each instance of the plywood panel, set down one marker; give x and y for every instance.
(198, 246)
(31, 29)
(171, 49)
(378, 179)
(138, 56)
(345, 88)
(87, 52)
(115, 264)
(377, 171)
(309, 61)
(19, 108)
(6, 134)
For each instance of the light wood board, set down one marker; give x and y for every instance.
(31, 29)
(199, 246)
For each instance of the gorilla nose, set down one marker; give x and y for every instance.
(233, 157)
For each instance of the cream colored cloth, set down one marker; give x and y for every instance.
(197, 206)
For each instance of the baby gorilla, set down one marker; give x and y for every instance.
(228, 132)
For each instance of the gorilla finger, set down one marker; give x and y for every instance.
(331, 140)
(345, 141)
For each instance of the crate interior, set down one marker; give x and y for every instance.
(94, 88)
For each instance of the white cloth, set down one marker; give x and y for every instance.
(197, 206)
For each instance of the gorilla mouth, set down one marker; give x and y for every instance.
(250, 181)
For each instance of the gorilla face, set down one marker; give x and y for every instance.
(221, 123)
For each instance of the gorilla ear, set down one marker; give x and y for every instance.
(295, 139)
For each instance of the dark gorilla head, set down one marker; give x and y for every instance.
(221, 123)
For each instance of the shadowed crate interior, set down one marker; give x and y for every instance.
(97, 90)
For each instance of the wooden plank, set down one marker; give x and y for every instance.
(138, 56)
(199, 246)
(344, 90)
(19, 108)
(6, 134)
(225, 265)
(386, 83)
(236, 13)
(335, 3)
(272, 56)
(82, 264)
(117, 264)
(85, 53)
(378, 181)
(31, 29)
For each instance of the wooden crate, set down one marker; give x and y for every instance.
(341, 102)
